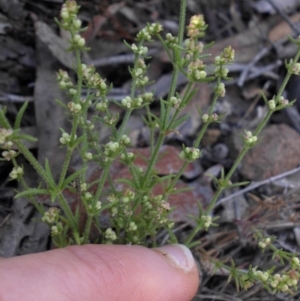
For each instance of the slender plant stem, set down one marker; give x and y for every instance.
(181, 22)
(124, 122)
(67, 211)
(75, 119)
(36, 165)
(244, 151)
(69, 154)
(87, 228)
(153, 160)
(177, 55)
(102, 182)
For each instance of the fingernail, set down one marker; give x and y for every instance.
(179, 255)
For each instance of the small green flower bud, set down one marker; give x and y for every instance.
(83, 187)
(62, 85)
(101, 106)
(88, 195)
(103, 85)
(125, 139)
(81, 42)
(277, 277)
(114, 211)
(77, 108)
(284, 288)
(64, 14)
(272, 104)
(132, 226)
(274, 283)
(217, 60)
(72, 92)
(202, 74)
(113, 146)
(88, 156)
(205, 117)
(54, 230)
(76, 38)
(77, 23)
(98, 205)
(296, 261)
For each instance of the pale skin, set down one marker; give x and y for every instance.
(99, 272)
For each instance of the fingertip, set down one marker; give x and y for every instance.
(103, 272)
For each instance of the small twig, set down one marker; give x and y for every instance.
(5, 220)
(119, 59)
(256, 72)
(15, 98)
(255, 185)
(252, 63)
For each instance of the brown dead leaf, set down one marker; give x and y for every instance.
(283, 29)
(99, 20)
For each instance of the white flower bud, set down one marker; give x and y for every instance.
(81, 42)
(77, 23)
(272, 104)
(88, 156)
(205, 117)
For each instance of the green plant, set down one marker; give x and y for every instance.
(136, 214)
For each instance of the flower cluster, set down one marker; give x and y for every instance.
(4, 134)
(64, 80)
(171, 41)
(282, 103)
(8, 155)
(163, 209)
(127, 158)
(249, 139)
(295, 68)
(77, 40)
(125, 140)
(226, 56)
(210, 118)
(263, 243)
(221, 71)
(141, 50)
(74, 107)
(279, 283)
(57, 229)
(93, 79)
(149, 31)
(68, 16)
(111, 149)
(137, 102)
(95, 208)
(102, 105)
(196, 28)
(190, 154)
(16, 173)
(175, 102)
(157, 208)
(207, 221)
(132, 227)
(110, 235)
(193, 47)
(111, 120)
(220, 90)
(196, 70)
(139, 73)
(65, 138)
(284, 282)
(51, 216)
